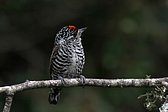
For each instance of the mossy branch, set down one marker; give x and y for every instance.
(28, 85)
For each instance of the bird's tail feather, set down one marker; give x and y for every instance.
(54, 95)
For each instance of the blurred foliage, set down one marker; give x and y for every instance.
(124, 39)
(154, 98)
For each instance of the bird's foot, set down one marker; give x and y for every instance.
(82, 79)
(62, 80)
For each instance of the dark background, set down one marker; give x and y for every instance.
(124, 39)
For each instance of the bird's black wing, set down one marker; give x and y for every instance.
(53, 55)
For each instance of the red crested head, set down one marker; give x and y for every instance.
(72, 27)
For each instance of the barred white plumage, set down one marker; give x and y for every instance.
(67, 58)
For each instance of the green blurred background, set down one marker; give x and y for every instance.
(124, 39)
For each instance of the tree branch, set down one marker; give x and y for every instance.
(11, 90)
(88, 82)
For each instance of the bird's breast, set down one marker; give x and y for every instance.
(76, 59)
(74, 62)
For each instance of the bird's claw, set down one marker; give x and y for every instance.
(82, 79)
(62, 80)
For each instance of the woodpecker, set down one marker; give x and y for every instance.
(67, 58)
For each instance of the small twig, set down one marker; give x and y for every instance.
(8, 103)
(164, 107)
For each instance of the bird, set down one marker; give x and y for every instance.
(67, 58)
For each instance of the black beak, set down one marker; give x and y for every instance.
(82, 29)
